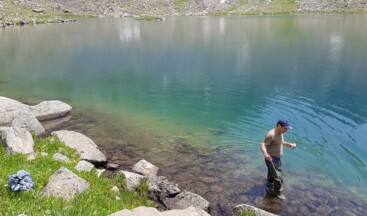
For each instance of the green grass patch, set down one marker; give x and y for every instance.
(97, 200)
(247, 213)
(179, 2)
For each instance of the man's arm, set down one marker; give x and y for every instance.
(290, 145)
(263, 149)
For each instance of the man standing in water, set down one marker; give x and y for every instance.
(272, 148)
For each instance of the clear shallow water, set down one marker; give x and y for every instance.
(197, 95)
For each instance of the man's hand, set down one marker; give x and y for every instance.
(293, 145)
(268, 158)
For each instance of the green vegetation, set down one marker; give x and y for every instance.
(246, 8)
(99, 199)
(247, 213)
(179, 2)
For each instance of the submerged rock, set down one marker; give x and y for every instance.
(145, 168)
(248, 208)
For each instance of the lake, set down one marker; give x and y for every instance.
(196, 96)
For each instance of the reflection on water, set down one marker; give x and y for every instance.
(196, 96)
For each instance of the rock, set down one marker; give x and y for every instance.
(38, 10)
(10, 109)
(132, 180)
(61, 158)
(145, 168)
(16, 140)
(31, 156)
(87, 149)
(185, 200)
(84, 166)
(115, 189)
(65, 184)
(140, 211)
(149, 211)
(112, 166)
(29, 123)
(50, 109)
(190, 211)
(160, 188)
(244, 207)
(99, 172)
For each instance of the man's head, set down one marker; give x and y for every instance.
(283, 125)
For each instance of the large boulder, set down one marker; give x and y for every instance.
(132, 180)
(50, 109)
(7, 104)
(185, 200)
(10, 109)
(237, 210)
(149, 211)
(87, 149)
(65, 184)
(29, 123)
(145, 168)
(160, 188)
(16, 140)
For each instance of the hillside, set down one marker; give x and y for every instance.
(40, 11)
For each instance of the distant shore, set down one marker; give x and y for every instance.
(20, 12)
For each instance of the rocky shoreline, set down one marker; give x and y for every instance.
(17, 120)
(21, 12)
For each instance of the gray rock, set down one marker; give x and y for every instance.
(149, 211)
(99, 172)
(16, 140)
(50, 109)
(29, 123)
(244, 207)
(190, 211)
(87, 149)
(10, 109)
(140, 211)
(61, 158)
(115, 189)
(185, 200)
(84, 166)
(112, 166)
(38, 10)
(65, 184)
(145, 168)
(132, 180)
(160, 188)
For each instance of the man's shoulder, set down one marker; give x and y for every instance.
(271, 133)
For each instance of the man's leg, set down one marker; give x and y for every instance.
(278, 183)
(270, 179)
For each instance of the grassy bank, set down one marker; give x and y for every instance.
(99, 199)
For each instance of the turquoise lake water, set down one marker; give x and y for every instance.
(204, 91)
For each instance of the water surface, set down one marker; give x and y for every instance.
(196, 96)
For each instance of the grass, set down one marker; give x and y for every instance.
(99, 199)
(179, 2)
(247, 213)
(275, 7)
